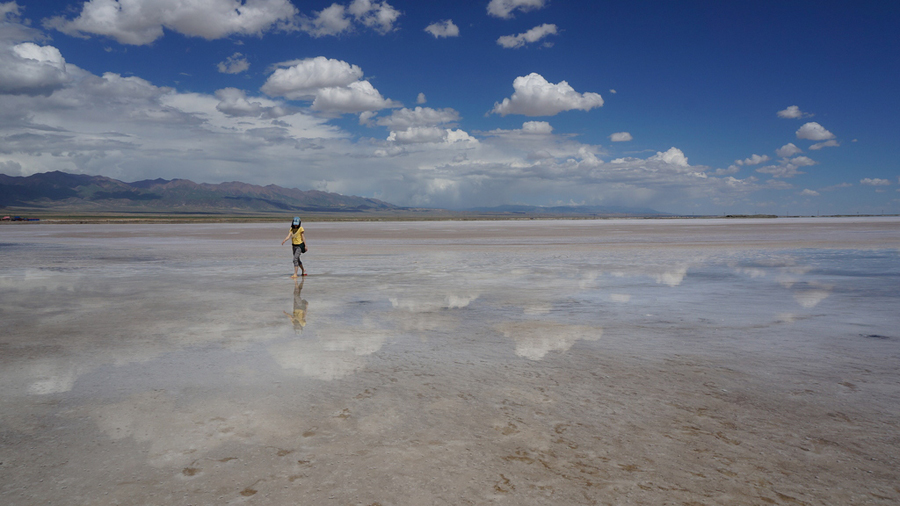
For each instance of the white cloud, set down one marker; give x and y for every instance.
(827, 144)
(874, 182)
(30, 69)
(234, 102)
(621, 137)
(444, 28)
(535, 96)
(421, 98)
(504, 8)
(379, 16)
(301, 79)
(402, 119)
(788, 150)
(753, 160)
(332, 20)
(526, 135)
(337, 19)
(234, 64)
(793, 112)
(332, 85)
(803, 161)
(537, 128)
(418, 135)
(809, 193)
(429, 134)
(814, 132)
(139, 22)
(535, 34)
(673, 156)
(787, 168)
(355, 97)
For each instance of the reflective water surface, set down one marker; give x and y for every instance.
(517, 362)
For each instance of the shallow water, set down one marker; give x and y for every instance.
(517, 362)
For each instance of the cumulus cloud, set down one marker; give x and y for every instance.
(527, 135)
(234, 64)
(379, 16)
(444, 28)
(827, 144)
(793, 112)
(504, 8)
(803, 161)
(753, 160)
(809, 193)
(332, 85)
(787, 168)
(621, 137)
(420, 99)
(30, 69)
(337, 19)
(535, 96)
(301, 79)
(140, 22)
(673, 156)
(355, 97)
(402, 119)
(332, 20)
(234, 102)
(429, 134)
(537, 128)
(814, 132)
(788, 150)
(874, 182)
(535, 34)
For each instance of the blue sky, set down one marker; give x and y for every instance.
(687, 107)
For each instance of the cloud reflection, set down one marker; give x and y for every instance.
(535, 339)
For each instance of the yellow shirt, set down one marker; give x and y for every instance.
(297, 238)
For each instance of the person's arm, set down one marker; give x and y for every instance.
(286, 238)
(303, 237)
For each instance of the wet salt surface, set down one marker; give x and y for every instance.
(538, 362)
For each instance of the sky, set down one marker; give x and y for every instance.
(688, 107)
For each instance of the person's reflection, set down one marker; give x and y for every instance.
(298, 318)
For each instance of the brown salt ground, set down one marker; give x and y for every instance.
(549, 362)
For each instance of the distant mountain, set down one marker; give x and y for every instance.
(63, 192)
(604, 211)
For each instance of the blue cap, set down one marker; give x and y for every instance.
(296, 222)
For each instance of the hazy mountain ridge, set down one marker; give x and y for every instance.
(514, 209)
(60, 191)
(64, 192)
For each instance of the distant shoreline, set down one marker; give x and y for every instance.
(61, 218)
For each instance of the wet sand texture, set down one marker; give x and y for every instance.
(537, 362)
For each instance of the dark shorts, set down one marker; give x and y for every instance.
(297, 253)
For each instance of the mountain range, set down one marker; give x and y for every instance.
(61, 192)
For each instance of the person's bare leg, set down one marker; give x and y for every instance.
(295, 272)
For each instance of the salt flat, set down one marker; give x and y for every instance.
(512, 362)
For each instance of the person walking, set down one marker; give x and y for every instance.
(298, 243)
